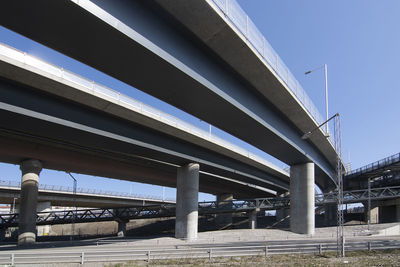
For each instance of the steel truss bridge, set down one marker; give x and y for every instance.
(125, 214)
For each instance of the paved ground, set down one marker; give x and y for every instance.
(208, 239)
(230, 236)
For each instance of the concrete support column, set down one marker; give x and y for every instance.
(121, 229)
(253, 219)
(187, 190)
(29, 194)
(281, 214)
(330, 216)
(224, 220)
(302, 214)
(374, 213)
(397, 210)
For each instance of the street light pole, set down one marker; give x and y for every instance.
(326, 91)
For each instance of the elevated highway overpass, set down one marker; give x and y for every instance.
(197, 56)
(73, 124)
(135, 41)
(105, 133)
(65, 197)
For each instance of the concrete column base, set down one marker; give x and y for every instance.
(29, 193)
(27, 238)
(302, 213)
(187, 191)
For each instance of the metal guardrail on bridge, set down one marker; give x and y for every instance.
(68, 189)
(232, 10)
(394, 159)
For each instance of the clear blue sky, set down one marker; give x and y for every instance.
(358, 40)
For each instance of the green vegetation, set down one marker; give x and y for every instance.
(352, 259)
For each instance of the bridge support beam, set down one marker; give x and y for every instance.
(302, 214)
(29, 194)
(187, 191)
(224, 220)
(253, 219)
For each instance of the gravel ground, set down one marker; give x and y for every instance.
(353, 259)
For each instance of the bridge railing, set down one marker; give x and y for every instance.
(376, 165)
(79, 190)
(128, 102)
(232, 10)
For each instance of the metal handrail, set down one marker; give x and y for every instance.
(376, 165)
(241, 21)
(111, 95)
(60, 188)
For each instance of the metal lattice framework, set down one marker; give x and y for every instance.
(205, 208)
(339, 198)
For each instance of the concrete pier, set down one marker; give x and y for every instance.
(302, 214)
(121, 229)
(29, 193)
(374, 214)
(187, 191)
(397, 210)
(253, 219)
(330, 215)
(224, 220)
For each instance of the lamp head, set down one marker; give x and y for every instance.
(306, 136)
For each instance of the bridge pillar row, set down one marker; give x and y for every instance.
(302, 214)
(187, 191)
(224, 220)
(29, 194)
